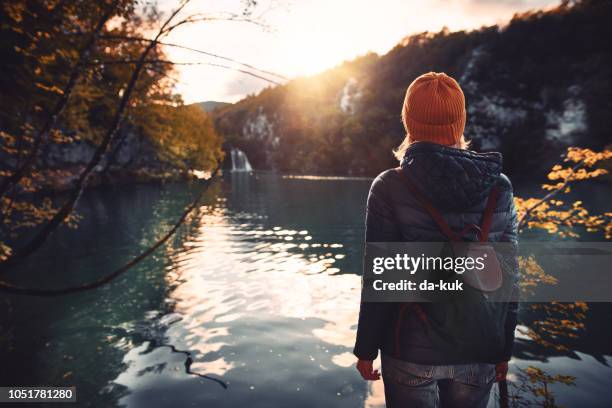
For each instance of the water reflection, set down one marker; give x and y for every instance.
(259, 304)
(258, 292)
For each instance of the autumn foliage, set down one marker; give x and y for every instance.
(561, 217)
(63, 74)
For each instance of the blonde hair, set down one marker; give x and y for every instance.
(400, 151)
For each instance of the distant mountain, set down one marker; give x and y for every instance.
(533, 87)
(210, 106)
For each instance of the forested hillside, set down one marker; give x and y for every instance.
(533, 87)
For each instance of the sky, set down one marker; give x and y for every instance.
(304, 37)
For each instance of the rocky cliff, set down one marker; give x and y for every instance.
(135, 159)
(533, 87)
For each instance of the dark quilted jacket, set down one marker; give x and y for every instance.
(458, 183)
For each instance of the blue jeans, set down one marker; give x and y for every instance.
(413, 385)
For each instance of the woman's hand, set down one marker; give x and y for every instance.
(366, 369)
(501, 370)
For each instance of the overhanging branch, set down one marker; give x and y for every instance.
(184, 47)
(211, 64)
(41, 236)
(21, 290)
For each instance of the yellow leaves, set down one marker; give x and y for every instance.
(587, 156)
(558, 321)
(583, 160)
(18, 214)
(559, 172)
(64, 53)
(9, 150)
(535, 382)
(532, 275)
(7, 137)
(72, 221)
(185, 134)
(563, 218)
(59, 137)
(7, 143)
(5, 251)
(523, 204)
(568, 174)
(537, 375)
(53, 88)
(551, 187)
(14, 10)
(533, 270)
(27, 183)
(48, 59)
(554, 216)
(42, 35)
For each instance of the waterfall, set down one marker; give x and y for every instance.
(240, 161)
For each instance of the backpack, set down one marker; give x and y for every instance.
(469, 327)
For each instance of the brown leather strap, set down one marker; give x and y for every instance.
(433, 211)
(487, 216)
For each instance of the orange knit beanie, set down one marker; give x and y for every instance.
(434, 109)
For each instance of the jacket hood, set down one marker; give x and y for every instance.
(451, 178)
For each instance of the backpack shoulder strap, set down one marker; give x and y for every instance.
(487, 215)
(429, 207)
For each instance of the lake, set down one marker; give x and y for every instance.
(253, 303)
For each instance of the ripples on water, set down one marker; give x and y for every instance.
(261, 305)
(254, 303)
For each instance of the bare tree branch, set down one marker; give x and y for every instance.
(212, 64)
(10, 288)
(210, 54)
(201, 17)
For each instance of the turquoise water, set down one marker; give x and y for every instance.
(253, 303)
